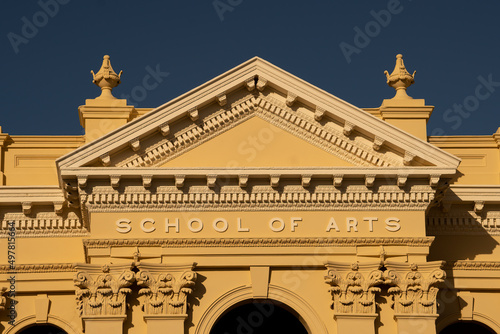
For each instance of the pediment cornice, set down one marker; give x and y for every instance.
(258, 76)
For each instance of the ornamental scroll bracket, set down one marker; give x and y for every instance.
(165, 289)
(102, 290)
(353, 286)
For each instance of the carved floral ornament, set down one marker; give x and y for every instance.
(103, 290)
(413, 288)
(165, 293)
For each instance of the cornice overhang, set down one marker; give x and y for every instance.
(11, 195)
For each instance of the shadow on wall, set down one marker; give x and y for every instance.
(194, 300)
(460, 234)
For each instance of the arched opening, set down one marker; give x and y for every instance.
(467, 327)
(42, 329)
(259, 317)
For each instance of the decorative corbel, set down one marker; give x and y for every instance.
(115, 180)
(337, 180)
(369, 180)
(434, 180)
(164, 129)
(27, 206)
(193, 113)
(250, 84)
(105, 159)
(146, 180)
(348, 127)
(82, 181)
(135, 144)
(377, 143)
(261, 83)
(402, 180)
(179, 180)
(221, 99)
(408, 158)
(211, 179)
(478, 206)
(290, 99)
(58, 207)
(306, 180)
(319, 113)
(275, 180)
(69, 187)
(243, 180)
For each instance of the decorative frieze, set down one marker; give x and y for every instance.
(233, 198)
(415, 286)
(38, 268)
(462, 220)
(102, 290)
(473, 265)
(43, 224)
(353, 287)
(258, 242)
(165, 288)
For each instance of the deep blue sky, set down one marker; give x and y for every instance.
(449, 43)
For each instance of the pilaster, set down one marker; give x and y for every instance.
(101, 296)
(164, 292)
(353, 288)
(414, 290)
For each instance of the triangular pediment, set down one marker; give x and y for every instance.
(257, 116)
(256, 143)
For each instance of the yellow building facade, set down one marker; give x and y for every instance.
(254, 203)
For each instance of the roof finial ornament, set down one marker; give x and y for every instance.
(400, 79)
(106, 78)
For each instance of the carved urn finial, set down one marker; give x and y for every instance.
(400, 79)
(106, 78)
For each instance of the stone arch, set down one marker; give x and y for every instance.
(476, 317)
(308, 316)
(52, 320)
